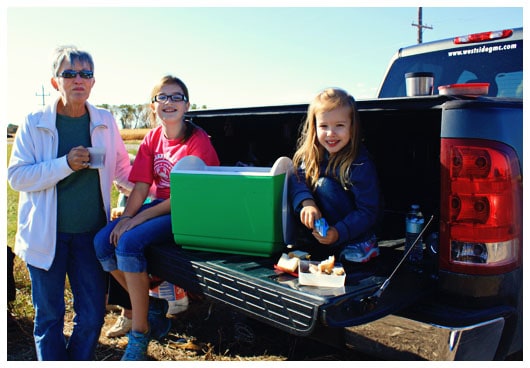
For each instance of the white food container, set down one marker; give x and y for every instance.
(305, 277)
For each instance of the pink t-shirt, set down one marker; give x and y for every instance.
(157, 155)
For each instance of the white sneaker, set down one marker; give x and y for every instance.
(122, 326)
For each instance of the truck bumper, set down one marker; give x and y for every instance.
(399, 338)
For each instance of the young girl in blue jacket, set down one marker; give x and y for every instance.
(335, 179)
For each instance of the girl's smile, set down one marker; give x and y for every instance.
(334, 128)
(170, 112)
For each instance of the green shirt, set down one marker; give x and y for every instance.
(80, 206)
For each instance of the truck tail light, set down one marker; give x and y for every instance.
(484, 36)
(481, 207)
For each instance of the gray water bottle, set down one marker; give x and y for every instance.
(413, 225)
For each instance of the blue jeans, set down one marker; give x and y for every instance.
(129, 254)
(333, 200)
(75, 257)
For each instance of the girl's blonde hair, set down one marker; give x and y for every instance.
(310, 152)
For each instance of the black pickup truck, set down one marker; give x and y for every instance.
(458, 156)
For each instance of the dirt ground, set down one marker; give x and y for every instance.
(201, 333)
(207, 332)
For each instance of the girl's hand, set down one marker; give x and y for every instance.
(309, 213)
(124, 225)
(331, 237)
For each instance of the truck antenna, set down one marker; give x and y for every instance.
(369, 303)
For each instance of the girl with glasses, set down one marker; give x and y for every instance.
(120, 246)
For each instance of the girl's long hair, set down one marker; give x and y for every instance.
(310, 152)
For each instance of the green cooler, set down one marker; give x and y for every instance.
(230, 209)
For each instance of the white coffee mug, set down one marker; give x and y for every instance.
(97, 157)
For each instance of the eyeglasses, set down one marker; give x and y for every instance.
(175, 98)
(69, 74)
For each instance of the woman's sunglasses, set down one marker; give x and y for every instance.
(69, 74)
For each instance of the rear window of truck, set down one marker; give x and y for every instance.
(499, 64)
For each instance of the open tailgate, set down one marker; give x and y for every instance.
(253, 287)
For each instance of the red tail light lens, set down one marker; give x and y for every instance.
(481, 207)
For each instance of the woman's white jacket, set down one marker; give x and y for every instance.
(34, 170)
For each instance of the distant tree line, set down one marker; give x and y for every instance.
(127, 116)
(134, 116)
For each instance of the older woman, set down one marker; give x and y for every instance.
(63, 202)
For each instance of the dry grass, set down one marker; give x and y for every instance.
(135, 135)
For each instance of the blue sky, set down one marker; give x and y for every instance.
(228, 56)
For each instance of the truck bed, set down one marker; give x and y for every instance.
(251, 285)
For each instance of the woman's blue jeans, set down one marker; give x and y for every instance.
(75, 258)
(129, 254)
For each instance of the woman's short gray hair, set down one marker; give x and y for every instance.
(72, 54)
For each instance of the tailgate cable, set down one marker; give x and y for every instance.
(369, 303)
